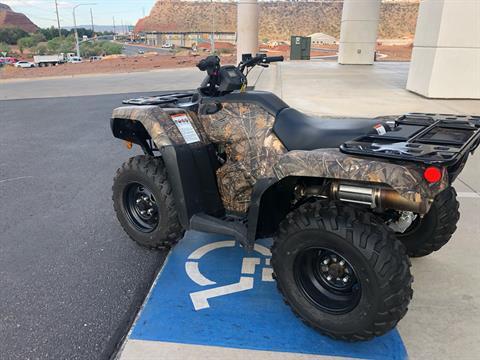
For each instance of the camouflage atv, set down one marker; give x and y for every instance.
(347, 201)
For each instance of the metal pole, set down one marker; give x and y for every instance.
(114, 29)
(75, 27)
(58, 20)
(76, 32)
(93, 26)
(212, 44)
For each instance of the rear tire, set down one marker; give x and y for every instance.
(144, 203)
(377, 291)
(436, 228)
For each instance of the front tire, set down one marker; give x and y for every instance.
(342, 271)
(144, 203)
(435, 229)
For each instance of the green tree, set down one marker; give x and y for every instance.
(53, 45)
(11, 35)
(41, 49)
(4, 48)
(52, 32)
(60, 45)
(26, 43)
(39, 37)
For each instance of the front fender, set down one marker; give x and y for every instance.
(406, 178)
(156, 121)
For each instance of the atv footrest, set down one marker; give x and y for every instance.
(228, 226)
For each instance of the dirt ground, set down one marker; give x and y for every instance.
(108, 65)
(152, 61)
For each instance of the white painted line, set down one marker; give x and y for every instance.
(262, 250)
(468, 195)
(248, 265)
(200, 298)
(15, 179)
(191, 267)
(267, 274)
(201, 251)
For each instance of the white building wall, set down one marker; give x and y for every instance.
(446, 54)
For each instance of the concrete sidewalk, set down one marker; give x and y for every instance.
(327, 88)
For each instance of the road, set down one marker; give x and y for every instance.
(71, 281)
(132, 50)
(81, 85)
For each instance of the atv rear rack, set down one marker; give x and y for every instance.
(433, 139)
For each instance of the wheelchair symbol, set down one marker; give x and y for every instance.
(249, 264)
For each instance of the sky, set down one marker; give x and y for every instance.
(42, 12)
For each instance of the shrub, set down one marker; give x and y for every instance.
(100, 48)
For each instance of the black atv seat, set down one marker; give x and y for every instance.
(298, 131)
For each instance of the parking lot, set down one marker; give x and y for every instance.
(72, 282)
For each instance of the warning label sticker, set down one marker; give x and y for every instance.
(380, 129)
(182, 121)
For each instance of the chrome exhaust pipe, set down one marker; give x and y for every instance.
(377, 197)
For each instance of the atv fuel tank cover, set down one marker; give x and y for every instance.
(267, 100)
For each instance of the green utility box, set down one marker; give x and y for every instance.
(300, 48)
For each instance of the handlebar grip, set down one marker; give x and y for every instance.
(274, 59)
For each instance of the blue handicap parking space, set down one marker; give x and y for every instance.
(213, 292)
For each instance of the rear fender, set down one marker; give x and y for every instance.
(404, 177)
(272, 197)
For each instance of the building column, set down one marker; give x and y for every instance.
(247, 28)
(358, 34)
(446, 54)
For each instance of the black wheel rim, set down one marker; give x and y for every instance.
(327, 280)
(141, 207)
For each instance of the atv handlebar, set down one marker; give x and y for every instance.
(258, 60)
(211, 65)
(275, 59)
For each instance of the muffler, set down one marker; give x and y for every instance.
(376, 197)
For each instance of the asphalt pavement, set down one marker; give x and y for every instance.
(132, 50)
(70, 279)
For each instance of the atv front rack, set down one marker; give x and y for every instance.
(434, 139)
(175, 98)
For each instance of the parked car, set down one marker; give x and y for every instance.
(141, 52)
(8, 60)
(167, 46)
(95, 58)
(75, 60)
(24, 64)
